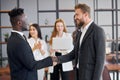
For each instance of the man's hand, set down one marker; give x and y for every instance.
(55, 60)
(54, 63)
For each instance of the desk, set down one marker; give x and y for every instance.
(4, 71)
(114, 68)
(111, 58)
(112, 65)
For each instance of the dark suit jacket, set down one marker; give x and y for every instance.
(21, 60)
(91, 54)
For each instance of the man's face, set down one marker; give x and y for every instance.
(79, 18)
(24, 23)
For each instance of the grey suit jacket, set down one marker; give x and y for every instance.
(91, 54)
(21, 61)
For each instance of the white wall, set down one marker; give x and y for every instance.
(5, 5)
(30, 9)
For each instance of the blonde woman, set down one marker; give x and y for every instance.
(64, 70)
(39, 46)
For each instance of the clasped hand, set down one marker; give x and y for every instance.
(38, 45)
(55, 60)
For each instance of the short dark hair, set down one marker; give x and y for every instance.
(16, 12)
(84, 7)
(14, 15)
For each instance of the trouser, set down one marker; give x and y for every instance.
(68, 75)
(58, 72)
(77, 74)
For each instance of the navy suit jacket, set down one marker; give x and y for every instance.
(91, 54)
(21, 60)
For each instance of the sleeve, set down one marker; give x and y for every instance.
(99, 44)
(45, 48)
(70, 35)
(25, 56)
(68, 57)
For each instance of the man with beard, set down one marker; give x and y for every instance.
(89, 48)
(22, 64)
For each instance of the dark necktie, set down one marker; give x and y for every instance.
(24, 37)
(78, 38)
(77, 45)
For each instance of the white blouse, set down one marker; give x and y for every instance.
(37, 54)
(68, 65)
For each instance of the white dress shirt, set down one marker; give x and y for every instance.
(83, 30)
(21, 33)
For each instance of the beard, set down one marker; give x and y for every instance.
(25, 26)
(24, 29)
(80, 24)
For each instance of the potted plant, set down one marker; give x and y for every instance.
(6, 36)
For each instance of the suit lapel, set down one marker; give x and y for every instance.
(16, 34)
(90, 29)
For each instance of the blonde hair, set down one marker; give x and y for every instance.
(54, 32)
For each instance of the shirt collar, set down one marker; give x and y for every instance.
(18, 32)
(87, 26)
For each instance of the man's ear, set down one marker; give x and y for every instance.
(19, 22)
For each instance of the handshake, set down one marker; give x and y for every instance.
(55, 60)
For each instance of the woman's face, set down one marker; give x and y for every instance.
(59, 27)
(33, 32)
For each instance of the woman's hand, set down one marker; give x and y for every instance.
(39, 45)
(52, 51)
(35, 46)
(42, 51)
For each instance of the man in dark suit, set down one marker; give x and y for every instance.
(21, 61)
(89, 48)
